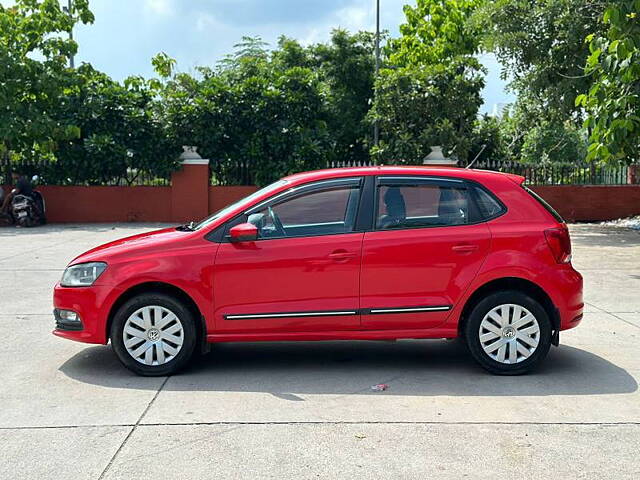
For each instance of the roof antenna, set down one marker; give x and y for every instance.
(484, 145)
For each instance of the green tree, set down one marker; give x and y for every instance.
(613, 101)
(430, 92)
(541, 47)
(346, 66)
(553, 142)
(487, 140)
(530, 137)
(420, 107)
(119, 136)
(435, 30)
(34, 50)
(250, 112)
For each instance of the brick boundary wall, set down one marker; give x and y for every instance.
(584, 203)
(190, 197)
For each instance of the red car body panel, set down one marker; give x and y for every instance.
(400, 270)
(354, 272)
(288, 275)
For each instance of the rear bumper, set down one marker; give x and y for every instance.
(92, 304)
(569, 300)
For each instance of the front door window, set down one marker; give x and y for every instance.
(323, 211)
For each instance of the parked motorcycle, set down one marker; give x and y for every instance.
(28, 210)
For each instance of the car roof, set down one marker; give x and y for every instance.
(455, 172)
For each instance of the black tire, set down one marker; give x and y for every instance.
(482, 308)
(185, 317)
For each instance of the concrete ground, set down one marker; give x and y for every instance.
(305, 410)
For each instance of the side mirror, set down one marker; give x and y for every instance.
(244, 232)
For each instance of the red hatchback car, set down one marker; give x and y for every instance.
(375, 253)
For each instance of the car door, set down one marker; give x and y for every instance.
(302, 273)
(426, 247)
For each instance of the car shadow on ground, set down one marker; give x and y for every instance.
(413, 367)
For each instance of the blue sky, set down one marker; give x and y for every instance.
(127, 33)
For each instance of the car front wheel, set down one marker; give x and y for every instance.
(508, 333)
(153, 334)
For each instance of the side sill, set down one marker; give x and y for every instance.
(334, 335)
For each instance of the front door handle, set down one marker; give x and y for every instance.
(467, 248)
(341, 256)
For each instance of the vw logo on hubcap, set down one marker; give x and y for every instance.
(153, 334)
(509, 332)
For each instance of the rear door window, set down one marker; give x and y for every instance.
(421, 202)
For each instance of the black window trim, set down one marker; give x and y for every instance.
(546, 205)
(368, 204)
(436, 180)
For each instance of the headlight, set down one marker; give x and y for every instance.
(82, 274)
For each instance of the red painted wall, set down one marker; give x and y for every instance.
(107, 204)
(188, 200)
(583, 203)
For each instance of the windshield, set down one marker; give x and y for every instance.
(246, 200)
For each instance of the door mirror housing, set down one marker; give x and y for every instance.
(244, 232)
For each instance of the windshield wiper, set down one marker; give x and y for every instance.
(187, 227)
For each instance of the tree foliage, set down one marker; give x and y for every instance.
(294, 108)
(34, 50)
(119, 135)
(346, 67)
(430, 94)
(420, 107)
(541, 47)
(487, 140)
(262, 113)
(250, 111)
(435, 30)
(545, 140)
(613, 101)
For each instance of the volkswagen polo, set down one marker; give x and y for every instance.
(376, 253)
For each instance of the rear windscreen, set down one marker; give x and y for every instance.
(546, 206)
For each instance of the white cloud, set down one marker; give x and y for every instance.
(159, 7)
(355, 18)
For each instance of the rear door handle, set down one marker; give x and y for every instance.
(464, 248)
(341, 256)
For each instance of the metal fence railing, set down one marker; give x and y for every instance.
(346, 164)
(552, 174)
(50, 174)
(231, 173)
(242, 173)
(562, 174)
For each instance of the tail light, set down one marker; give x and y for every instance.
(559, 243)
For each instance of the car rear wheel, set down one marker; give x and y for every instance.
(153, 334)
(508, 333)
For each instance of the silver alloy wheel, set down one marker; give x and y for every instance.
(153, 335)
(509, 333)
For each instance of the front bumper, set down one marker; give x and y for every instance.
(92, 304)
